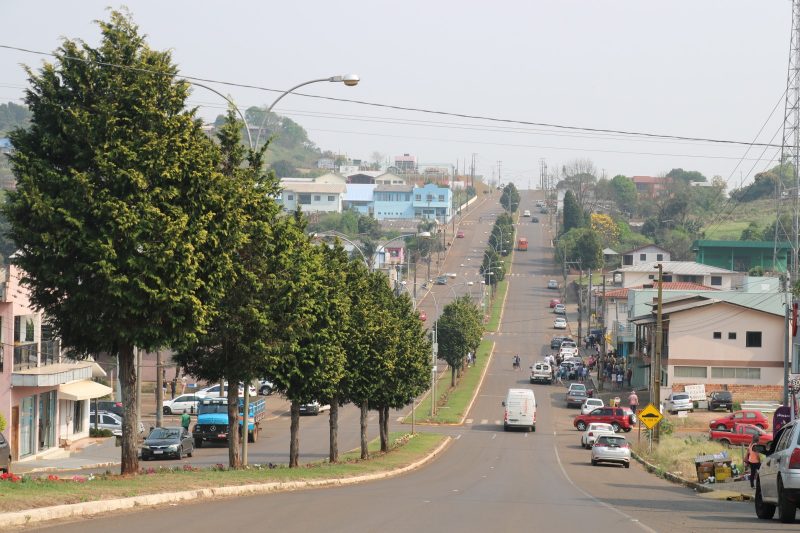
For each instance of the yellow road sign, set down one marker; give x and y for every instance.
(650, 416)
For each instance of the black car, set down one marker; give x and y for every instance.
(721, 399)
(535, 219)
(555, 344)
(168, 442)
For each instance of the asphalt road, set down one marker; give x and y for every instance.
(488, 479)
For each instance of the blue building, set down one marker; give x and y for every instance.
(393, 201)
(433, 201)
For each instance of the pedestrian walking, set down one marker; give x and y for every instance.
(186, 420)
(753, 460)
(629, 375)
(633, 401)
(619, 380)
(173, 385)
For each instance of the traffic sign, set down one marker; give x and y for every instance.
(650, 416)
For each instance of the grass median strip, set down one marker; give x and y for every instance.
(32, 493)
(497, 306)
(452, 403)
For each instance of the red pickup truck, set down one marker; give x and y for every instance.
(742, 434)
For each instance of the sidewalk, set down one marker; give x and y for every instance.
(98, 453)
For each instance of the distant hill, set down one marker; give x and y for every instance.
(12, 116)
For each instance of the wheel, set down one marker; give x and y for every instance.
(594, 462)
(786, 507)
(189, 454)
(198, 443)
(721, 427)
(505, 427)
(627, 430)
(725, 442)
(581, 425)
(730, 409)
(167, 410)
(760, 426)
(627, 465)
(615, 426)
(180, 452)
(764, 510)
(533, 428)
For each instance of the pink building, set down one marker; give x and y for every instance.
(44, 397)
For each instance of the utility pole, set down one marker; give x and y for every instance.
(605, 348)
(580, 305)
(472, 171)
(656, 395)
(499, 172)
(159, 391)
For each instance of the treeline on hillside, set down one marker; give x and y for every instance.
(13, 116)
(765, 184)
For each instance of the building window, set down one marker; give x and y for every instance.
(627, 259)
(304, 199)
(753, 339)
(659, 257)
(731, 335)
(622, 307)
(716, 280)
(691, 371)
(441, 197)
(725, 372)
(290, 197)
(642, 257)
(331, 198)
(651, 276)
(317, 197)
(717, 334)
(417, 197)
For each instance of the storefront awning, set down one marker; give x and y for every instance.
(82, 390)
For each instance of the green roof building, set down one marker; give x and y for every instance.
(741, 256)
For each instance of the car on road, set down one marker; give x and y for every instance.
(754, 418)
(555, 342)
(554, 302)
(560, 323)
(576, 386)
(313, 408)
(568, 349)
(560, 309)
(616, 416)
(519, 409)
(678, 401)
(110, 421)
(213, 391)
(452, 275)
(460, 234)
(185, 403)
(575, 398)
(534, 219)
(778, 481)
(441, 280)
(526, 213)
(611, 449)
(721, 399)
(541, 372)
(552, 284)
(423, 316)
(5, 455)
(109, 405)
(266, 387)
(591, 404)
(593, 431)
(169, 442)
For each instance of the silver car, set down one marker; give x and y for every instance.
(778, 481)
(5, 454)
(109, 421)
(611, 449)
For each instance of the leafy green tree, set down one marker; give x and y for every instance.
(751, 233)
(686, 176)
(283, 168)
(492, 268)
(784, 233)
(234, 345)
(368, 225)
(510, 198)
(573, 216)
(460, 330)
(118, 213)
(584, 246)
(623, 191)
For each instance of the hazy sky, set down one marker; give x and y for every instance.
(697, 68)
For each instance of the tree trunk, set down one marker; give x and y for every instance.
(333, 424)
(384, 422)
(127, 380)
(364, 445)
(294, 436)
(452, 376)
(159, 392)
(234, 459)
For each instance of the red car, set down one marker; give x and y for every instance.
(616, 416)
(460, 234)
(742, 435)
(554, 302)
(754, 418)
(423, 316)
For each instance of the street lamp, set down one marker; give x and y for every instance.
(350, 80)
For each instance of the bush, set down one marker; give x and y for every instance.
(666, 427)
(100, 432)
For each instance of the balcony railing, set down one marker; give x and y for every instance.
(25, 357)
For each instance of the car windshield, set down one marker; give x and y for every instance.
(611, 441)
(599, 427)
(680, 397)
(165, 433)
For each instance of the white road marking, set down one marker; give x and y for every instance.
(494, 436)
(497, 422)
(468, 421)
(485, 421)
(458, 436)
(400, 418)
(526, 435)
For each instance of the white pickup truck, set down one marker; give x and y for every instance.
(541, 373)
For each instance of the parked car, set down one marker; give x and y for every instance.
(526, 213)
(110, 421)
(560, 323)
(568, 349)
(560, 309)
(742, 435)
(616, 416)
(576, 386)
(678, 401)
(423, 316)
(185, 403)
(778, 481)
(266, 387)
(590, 404)
(754, 418)
(554, 302)
(555, 342)
(552, 284)
(534, 219)
(720, 399)
(441, 280)
(460, 234)
(575, 398)
(541, 373)
(213, 391)
(611, 449)
(5, 454)
(110, 406)
(167, 442)
(593, 431)
(313, 408)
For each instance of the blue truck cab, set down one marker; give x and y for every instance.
(212, 420)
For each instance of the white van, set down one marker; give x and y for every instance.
(520, 409)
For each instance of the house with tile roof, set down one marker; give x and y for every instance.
(647, 254)
(677, 271)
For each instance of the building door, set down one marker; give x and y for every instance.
(77, 416)
(27, 431)
(47, 420)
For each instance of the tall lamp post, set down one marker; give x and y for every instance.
(350, 80)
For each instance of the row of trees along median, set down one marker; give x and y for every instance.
(136, 229)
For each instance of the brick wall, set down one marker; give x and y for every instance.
(743, 393)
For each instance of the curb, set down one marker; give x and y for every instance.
(480, 384)
(699, 487)
(89, 509)
(46, 469)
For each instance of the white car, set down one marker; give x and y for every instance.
(560, 309)
(213, 391)
(595, 430)
(552, 284)
(313, 408)
(110, 421)
(185, 403)
(560, 323)
(611, 449)
(591, 404)
(568, 349)
(526, 213)
(678, 401)
(451, 275)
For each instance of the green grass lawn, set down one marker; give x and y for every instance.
(737, 217)
(32, 493)
(496, 309)
(452, 403)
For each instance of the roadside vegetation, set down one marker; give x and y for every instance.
(676, 453)
(29, 493)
